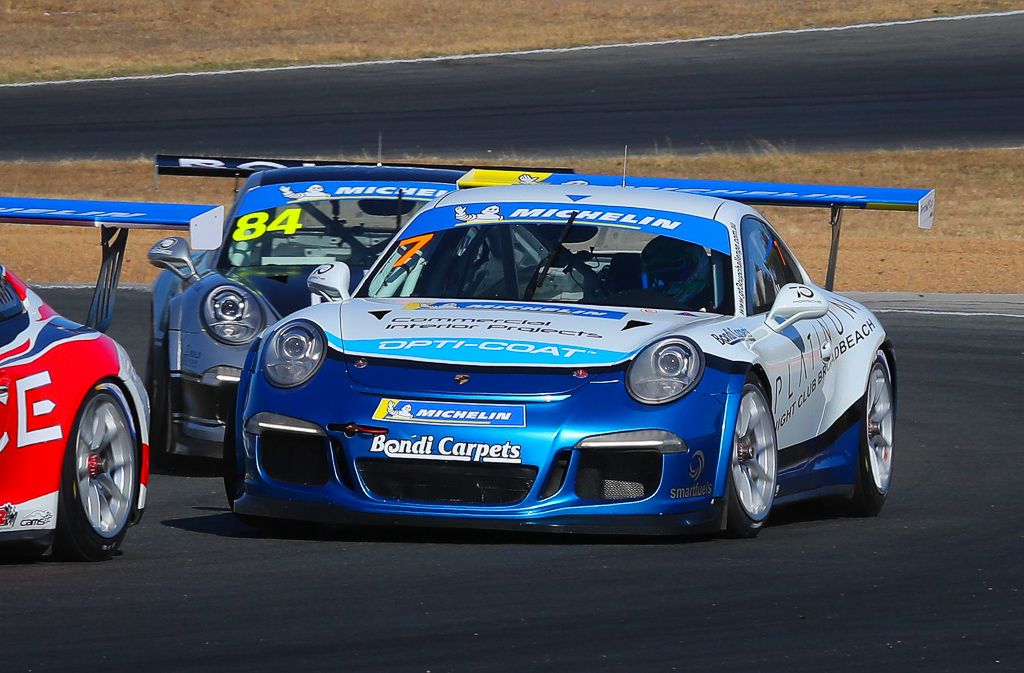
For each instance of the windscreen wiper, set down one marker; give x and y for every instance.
(535, 282)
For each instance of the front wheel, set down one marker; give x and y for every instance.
(99, 479)
(874, 460)
(753, 464)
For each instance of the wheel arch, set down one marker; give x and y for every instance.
(890, 356)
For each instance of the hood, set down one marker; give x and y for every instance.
(283, 287)
(503, 334)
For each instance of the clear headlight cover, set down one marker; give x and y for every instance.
(293, 354)
(232, 315)
(665, 371)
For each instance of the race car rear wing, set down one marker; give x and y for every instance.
(204, 225)
(834, 197)
(241, 167)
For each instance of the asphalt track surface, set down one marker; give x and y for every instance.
(951, 84)
(933, 584)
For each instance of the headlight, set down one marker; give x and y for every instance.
(232, 315)
(665, 371)
(293, 354)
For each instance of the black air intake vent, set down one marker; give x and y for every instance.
(10, 303)
(446, 481)
(618, 475)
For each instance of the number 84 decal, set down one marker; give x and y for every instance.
(254, 225)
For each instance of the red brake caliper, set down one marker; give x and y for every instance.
(94, 465)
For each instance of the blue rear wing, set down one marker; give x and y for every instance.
(834, 197)
(203, 224)
(754, 193)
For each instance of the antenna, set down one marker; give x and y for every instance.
(625, 157)
(380, 147)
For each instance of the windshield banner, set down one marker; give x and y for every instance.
(699, 230)
(273, 196)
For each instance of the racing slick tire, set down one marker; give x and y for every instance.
(874, 459)
(753, 464)
(99, 478)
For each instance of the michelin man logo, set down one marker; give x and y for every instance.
(403, 412)
(488, 214)
(312, 193)
(527, 179)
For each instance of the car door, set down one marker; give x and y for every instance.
(793, 359)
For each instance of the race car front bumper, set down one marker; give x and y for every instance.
(201, 406)
(338, 471)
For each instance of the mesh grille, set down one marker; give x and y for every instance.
(616, 489)
(446, 481)
(618, 475)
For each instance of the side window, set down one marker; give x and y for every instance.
(767, 265)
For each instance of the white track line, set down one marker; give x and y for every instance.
(526, 52)
(956, 313)
(131, 287)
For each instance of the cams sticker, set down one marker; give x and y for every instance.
(451, 413)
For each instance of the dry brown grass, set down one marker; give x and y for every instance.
(54, 39)
(977, 244)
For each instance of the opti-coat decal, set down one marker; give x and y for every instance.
(484, 351)
(451, 413)
(427, 447)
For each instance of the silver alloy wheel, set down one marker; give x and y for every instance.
(105, 463)
(880, 424)
(754, 460)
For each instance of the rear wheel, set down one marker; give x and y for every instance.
(100, 478)
(874, 460)
(753, 464)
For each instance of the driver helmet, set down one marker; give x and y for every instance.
(678, 269)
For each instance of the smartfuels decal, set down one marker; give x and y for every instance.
(451, 413)
(489, 351)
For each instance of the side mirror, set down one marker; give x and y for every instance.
(330, 281)
(173, 253)
(793, 304)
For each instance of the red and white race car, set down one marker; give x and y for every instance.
(74, 416)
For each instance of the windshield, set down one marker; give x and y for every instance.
(548, 262)
(354, 231)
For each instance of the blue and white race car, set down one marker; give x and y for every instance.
(289, 217)
(575, 357)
